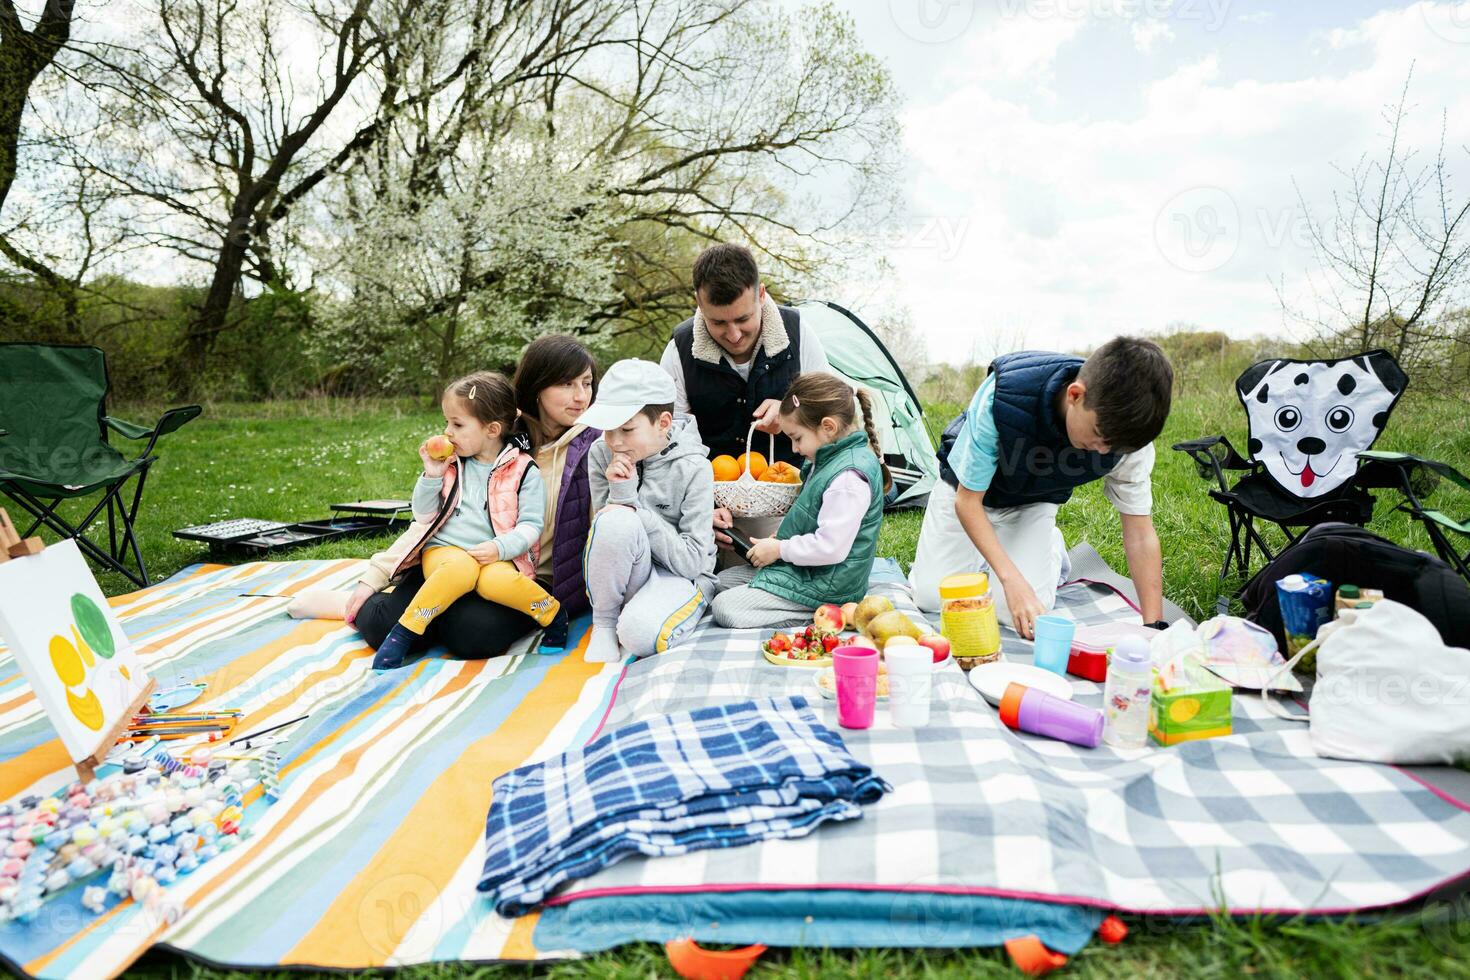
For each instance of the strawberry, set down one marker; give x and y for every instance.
(829, 642)
(779, 643)
(799, 643)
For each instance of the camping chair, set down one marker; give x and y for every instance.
(1301, 415)
(1417, 479)
(53, 447)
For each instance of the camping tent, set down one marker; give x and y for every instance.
(856, 353)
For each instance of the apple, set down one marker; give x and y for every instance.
(439, 447)
(900, 639)
(849, 613)
(829, 618)
(859, 641)
(939, 644)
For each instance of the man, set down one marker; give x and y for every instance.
(733, 361)
(1041, 425)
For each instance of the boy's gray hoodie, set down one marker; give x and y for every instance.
(674, 496)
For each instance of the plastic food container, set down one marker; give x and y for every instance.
(967, 619)
(1090, 645)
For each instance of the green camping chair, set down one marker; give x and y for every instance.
(53, 447)
(1417, 479)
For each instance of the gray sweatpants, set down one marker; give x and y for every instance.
(740, 605)
(650, 608)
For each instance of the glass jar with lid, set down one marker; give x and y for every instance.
(967, 618)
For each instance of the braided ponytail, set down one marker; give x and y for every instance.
(866, 401)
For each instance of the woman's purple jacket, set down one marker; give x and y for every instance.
(573, 519)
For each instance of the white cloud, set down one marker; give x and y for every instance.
(1077, 226)
(1146, 33)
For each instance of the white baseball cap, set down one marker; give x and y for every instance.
(625, 389)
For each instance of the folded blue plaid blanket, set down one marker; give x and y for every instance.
(718, 776)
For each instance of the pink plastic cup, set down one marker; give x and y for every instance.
(856, 671)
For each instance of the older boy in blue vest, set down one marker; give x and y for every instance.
(1041, 425)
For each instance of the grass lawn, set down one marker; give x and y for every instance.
(288, 461)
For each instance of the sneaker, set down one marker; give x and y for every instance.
(554, 636)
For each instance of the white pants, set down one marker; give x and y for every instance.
(1028, 533)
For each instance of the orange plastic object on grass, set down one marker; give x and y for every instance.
(1112, 930)
(1032, 958)
(694, 963)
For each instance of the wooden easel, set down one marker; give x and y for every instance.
(13, 546)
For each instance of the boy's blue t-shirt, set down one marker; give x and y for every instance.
(976, 452)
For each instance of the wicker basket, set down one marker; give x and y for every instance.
(749, 497)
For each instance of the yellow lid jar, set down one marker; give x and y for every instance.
(967, 618)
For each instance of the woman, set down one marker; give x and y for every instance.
(554, 384)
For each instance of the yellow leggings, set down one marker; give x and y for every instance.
(450, 573)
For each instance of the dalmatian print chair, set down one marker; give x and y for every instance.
(1307, 421)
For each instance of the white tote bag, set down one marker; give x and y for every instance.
(1389, 689)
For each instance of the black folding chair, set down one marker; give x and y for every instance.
(1417, 479)
(1307, 423)
(53, 448)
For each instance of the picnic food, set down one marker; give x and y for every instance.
(725, 468)
(752, 463)
(439, 447)
(827, 681)
(967, 615)
(849, 613)
(936, 643)
(810, 646)
(780, 472)
(868, 609)
(885, 626)
(829, 618)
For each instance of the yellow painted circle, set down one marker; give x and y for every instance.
(67, 662)
(1184, 709)
(87, 709)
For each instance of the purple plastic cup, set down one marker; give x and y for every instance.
(1039, 713)
(856, 672)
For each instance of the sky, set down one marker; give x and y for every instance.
(1075, 169)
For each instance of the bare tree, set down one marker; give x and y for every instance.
(1394, 258)
(24, 54)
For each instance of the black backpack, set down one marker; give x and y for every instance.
(1344, 554)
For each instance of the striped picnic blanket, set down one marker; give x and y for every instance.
(371, 855)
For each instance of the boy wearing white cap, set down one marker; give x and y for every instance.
(650, 555)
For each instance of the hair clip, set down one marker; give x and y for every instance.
(795, 402)
(473, 389)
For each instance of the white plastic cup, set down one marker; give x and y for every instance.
(910, 684)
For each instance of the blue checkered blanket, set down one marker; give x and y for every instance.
(715, 777)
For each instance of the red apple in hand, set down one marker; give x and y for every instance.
(937, 643)
(829, 618)
(439, 447)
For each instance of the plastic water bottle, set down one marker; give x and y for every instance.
(1126, 694)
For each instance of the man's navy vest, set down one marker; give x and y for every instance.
(722, 401)
(1035, 462)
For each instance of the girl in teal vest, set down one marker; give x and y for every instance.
(823, 551)
(479, 510)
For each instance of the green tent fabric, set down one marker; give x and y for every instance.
(856, 353)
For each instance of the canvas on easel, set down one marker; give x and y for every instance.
(70, 648)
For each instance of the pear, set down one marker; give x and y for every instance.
(871, 607)
(885, 626)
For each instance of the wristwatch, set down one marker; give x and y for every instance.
(1157, 624)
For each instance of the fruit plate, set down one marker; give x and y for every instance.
(826, 683)
(992, 679)
(781, 661)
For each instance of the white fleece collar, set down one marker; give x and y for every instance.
(773, 334)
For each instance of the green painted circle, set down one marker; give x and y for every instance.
(93, 626)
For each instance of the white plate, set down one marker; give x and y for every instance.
(992, 679)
